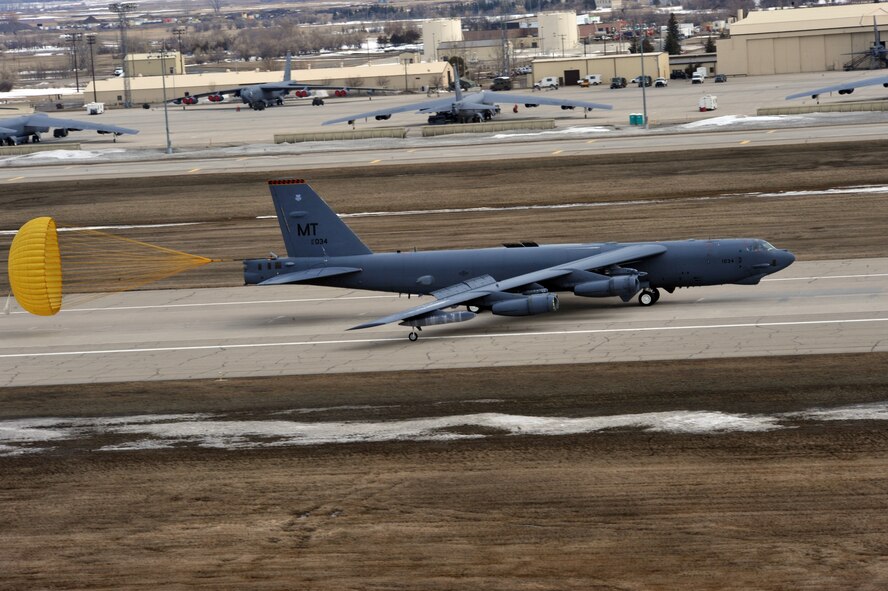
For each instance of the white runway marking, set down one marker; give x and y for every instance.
(450, 337)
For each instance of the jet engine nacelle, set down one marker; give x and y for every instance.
(535, 304)
(383, 117)
(439, 317)
(341, 92)
(624, 286)
(215, 98)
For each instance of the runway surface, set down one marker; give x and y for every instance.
(812, 307)
(434, 151)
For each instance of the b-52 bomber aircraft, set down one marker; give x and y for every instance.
(24, 128)
(260, 96)
(515, 280)
(471, 108)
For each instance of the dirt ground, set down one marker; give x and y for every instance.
(803, 507)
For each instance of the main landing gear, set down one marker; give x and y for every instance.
(414, 335)
(649, 296)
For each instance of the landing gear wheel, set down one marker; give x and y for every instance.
(649, 297)
(413, 336)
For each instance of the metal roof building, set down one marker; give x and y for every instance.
(800, 40)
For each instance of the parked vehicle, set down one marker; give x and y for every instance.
(501, 83)
(618, 82)
(707, 102)
(590, 80)
(721, 78)
(547, 82)
(661, 82)
(646, 80)
(696, 79)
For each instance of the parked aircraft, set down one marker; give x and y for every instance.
(25, 128)
(842, 88)
(472, 108)
(519, 279)
(260, 96)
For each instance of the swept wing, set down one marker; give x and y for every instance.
(444, 104)
(477, 101)
(466, 292)
(845, 86)
(42, 122)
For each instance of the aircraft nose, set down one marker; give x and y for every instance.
(785, 259)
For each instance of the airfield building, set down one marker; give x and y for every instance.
(798, 40)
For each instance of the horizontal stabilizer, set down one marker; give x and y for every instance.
(309, 274)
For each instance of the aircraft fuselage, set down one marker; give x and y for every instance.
(686, 263)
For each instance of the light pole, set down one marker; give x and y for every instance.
(644, 104)
(75, 37)
(91, 41)
(166, 117)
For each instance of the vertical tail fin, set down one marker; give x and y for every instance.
(310, 228)
(457, 86)
(288, 67)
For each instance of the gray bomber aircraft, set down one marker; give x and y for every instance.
(24, 128)
(514, 280)
(472, 108)
(260, 96)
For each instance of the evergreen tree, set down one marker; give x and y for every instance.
(673, 44)
(710, 45)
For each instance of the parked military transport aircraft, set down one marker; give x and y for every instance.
(472, 108)
(515, 280)
(25, 128)
(260, 96)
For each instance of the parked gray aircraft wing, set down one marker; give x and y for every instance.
(846, 86)
(528, 99)
(8, 130)
(43, 122)
(617, 256)
(433, 105)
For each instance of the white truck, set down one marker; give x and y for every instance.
(590, 80)
(547, 82)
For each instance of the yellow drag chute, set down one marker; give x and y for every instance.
(35, 267)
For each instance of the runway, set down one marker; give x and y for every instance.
(812, 307)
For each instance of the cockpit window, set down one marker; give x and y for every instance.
(760, 246)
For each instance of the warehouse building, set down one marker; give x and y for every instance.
(570, 69)
(798, 40)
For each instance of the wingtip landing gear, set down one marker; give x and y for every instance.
(414, 335)
(649, 296)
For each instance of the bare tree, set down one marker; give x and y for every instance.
(216, 5)
(354, 82)
(383, 81)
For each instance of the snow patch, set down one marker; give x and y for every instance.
(741, 120)
(568, 131)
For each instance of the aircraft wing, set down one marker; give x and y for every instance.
(462, 293)
(8, 130)
(290, 85)
(508, 97)
(883, 80)
(39, 121)
(444, 104)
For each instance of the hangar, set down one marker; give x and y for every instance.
(799, 40)
(149, 89)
